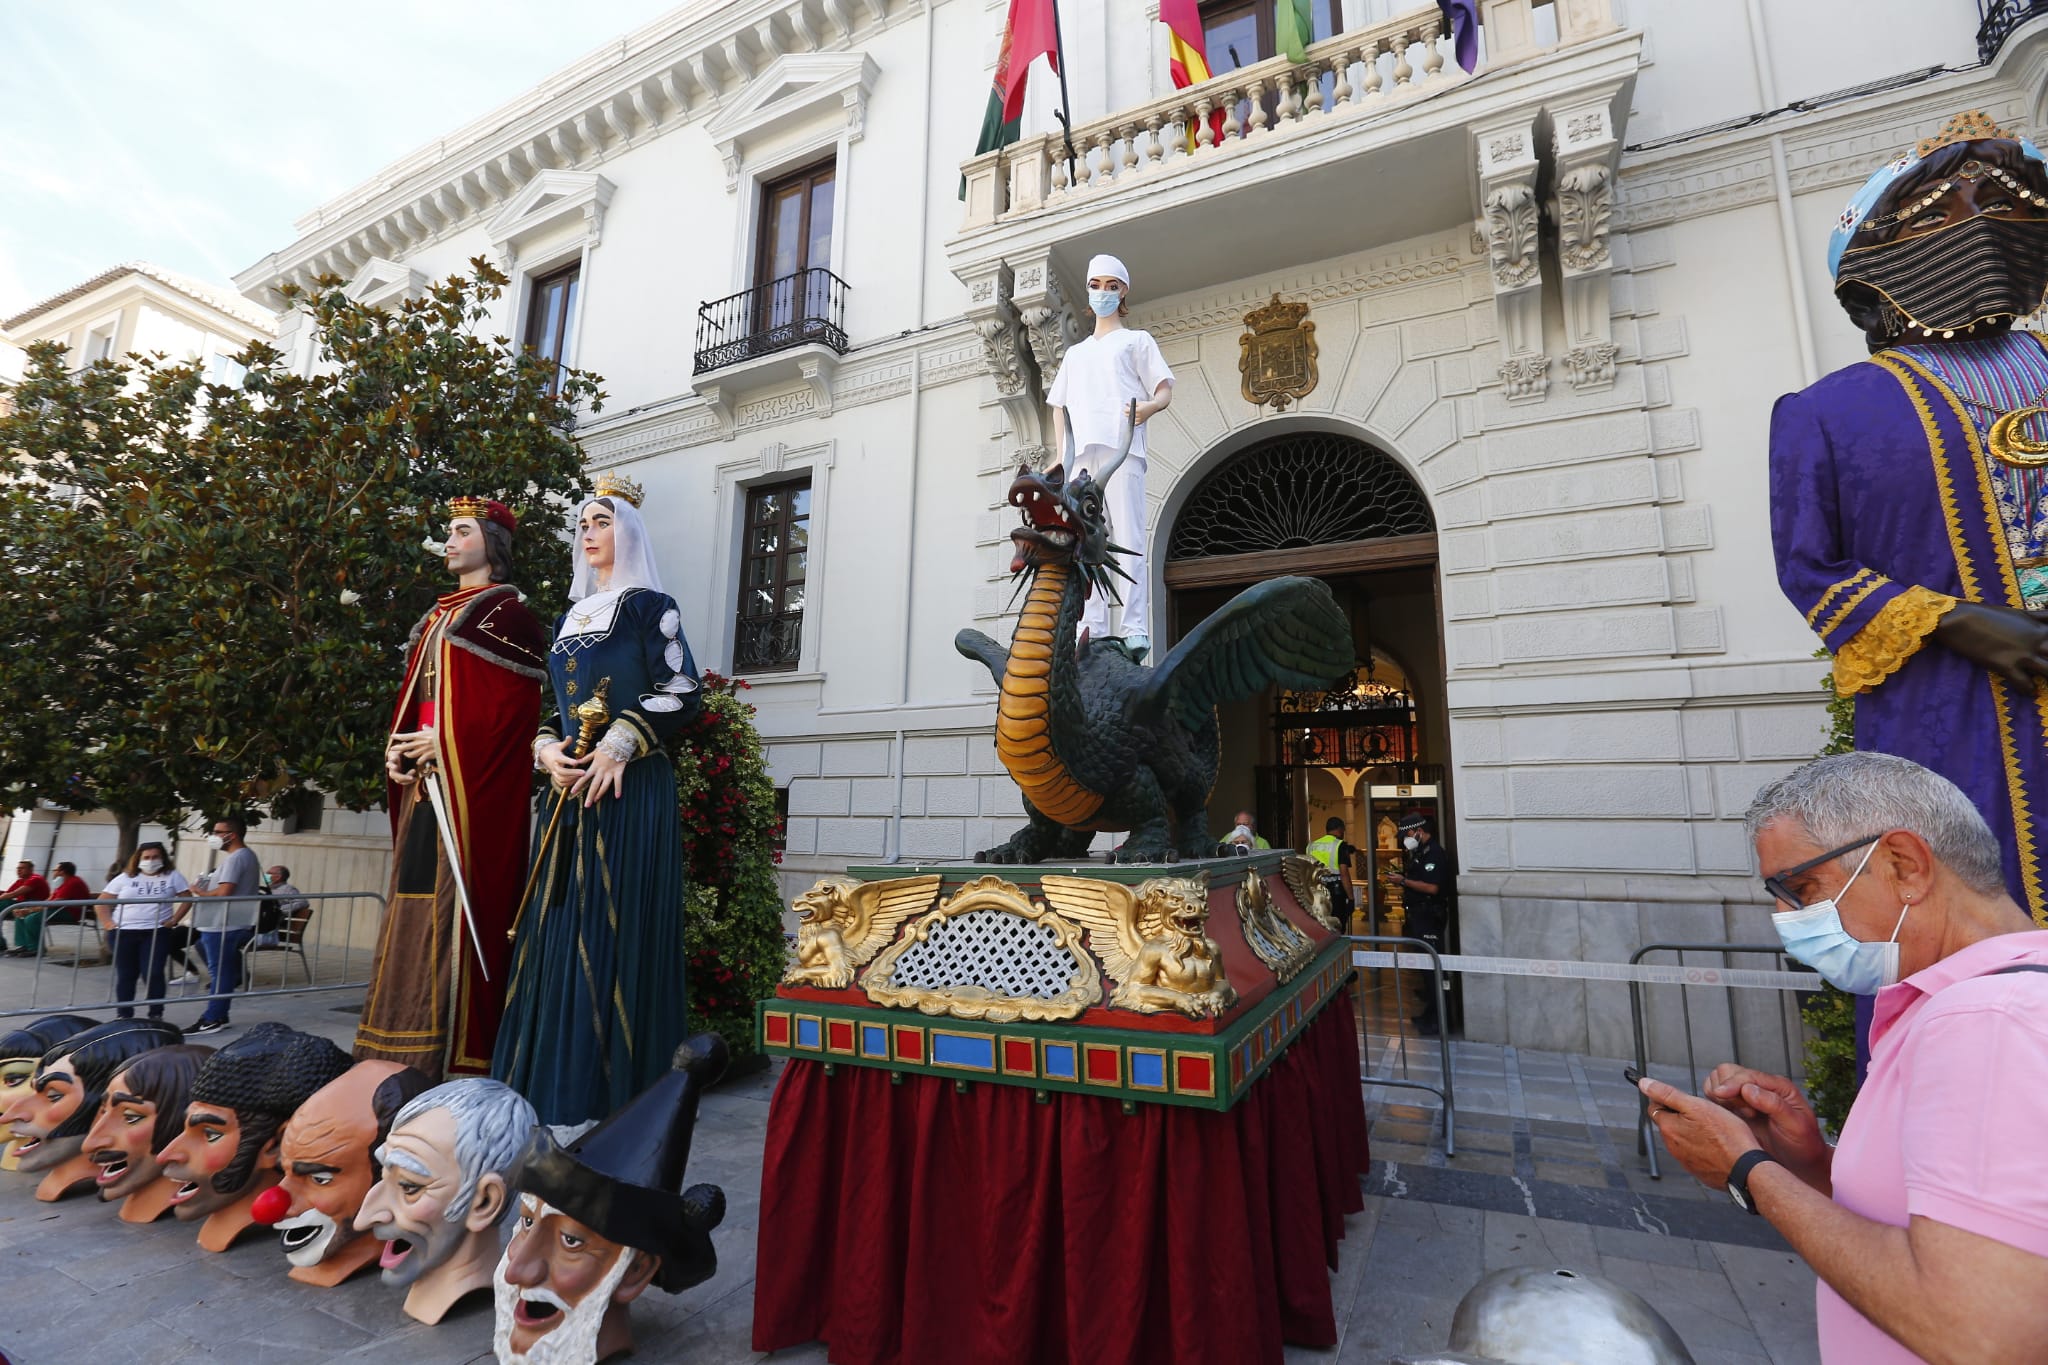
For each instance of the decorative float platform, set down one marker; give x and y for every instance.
(1049, 1113)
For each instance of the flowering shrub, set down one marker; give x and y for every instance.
(732, 925)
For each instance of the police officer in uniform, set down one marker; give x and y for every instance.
(1428, 876)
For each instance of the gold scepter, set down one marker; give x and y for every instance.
(591, 716)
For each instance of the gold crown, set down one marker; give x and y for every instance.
(469, 507)
(1276, 315)
(1970, 126)
(617, 486)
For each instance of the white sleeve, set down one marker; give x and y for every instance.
(178, 882)
(1056, 396)
(1151, 365)
(117, 887)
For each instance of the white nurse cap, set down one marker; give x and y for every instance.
(1099, 266)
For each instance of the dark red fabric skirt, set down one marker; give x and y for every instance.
(904, 1224)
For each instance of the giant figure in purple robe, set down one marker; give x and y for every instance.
(1907, 491)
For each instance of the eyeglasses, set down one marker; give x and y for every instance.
(1778, 885)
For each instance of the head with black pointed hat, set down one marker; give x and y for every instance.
(600, 1220)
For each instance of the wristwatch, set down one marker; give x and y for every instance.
(1738, 1178)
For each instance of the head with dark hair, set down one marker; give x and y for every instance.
(1333, 825)
(240, 1098)
(235, 821)
(143, 1110)
(151, 849)
(329, 1155)
(498, 550)
(67, 869)
(21, 1050)
(68, 1084)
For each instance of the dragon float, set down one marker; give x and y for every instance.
(1096, 739)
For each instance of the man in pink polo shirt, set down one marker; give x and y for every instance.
(1928, 1223)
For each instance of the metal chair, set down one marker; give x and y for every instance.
(291, 938)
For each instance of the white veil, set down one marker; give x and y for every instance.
(632, 554)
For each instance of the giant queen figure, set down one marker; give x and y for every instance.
(459, 797)
(1907, 507)
(594, 1008)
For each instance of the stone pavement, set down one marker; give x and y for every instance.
(1545, 1173)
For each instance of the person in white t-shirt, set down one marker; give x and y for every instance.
(1091, 399)
(141, 930)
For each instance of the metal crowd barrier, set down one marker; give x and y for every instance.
(1446, 1092)
(1646, 1132)
(315, 947)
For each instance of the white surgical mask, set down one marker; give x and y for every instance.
(152, 866)
(1411, 843)
(1814, 935)
(215, 841)
(1103, 302)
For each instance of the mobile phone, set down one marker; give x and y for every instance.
(1631, 1075)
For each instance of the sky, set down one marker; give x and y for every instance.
(191, 133)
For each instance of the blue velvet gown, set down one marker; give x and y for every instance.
(596, 1004)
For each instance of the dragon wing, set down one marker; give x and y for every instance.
(1300, 876)
(1107, 911)
(1288, 631)
(879, 908)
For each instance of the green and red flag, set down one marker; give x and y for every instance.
(1028, 34)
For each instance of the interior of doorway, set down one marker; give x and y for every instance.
(1396, 622)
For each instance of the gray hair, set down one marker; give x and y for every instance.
(492, 1123)
(1845, 797)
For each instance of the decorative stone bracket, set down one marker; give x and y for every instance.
(1050, 320)
(1007, 351)
(1584, 146)
(1511, 223)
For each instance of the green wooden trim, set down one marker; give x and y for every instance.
(1222, 871)
(1247, 1037)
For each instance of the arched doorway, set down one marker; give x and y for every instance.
(1337, 508)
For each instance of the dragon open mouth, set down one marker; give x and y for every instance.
(1046, 534)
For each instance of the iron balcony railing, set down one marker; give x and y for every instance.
(796, 310)
(1999, 19)
(769, 644)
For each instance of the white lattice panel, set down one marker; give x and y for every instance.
(990, 948)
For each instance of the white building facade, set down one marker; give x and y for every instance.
(1553, 302)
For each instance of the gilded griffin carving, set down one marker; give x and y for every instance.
(1152, 938)
(841, 923)
(1304, 879)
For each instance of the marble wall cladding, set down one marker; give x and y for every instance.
(1757, 1027)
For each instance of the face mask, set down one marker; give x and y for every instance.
(1411, 843)
(1103, 302)
(1977, 270)
(151, 866)
(1814, 935)
(215, 841)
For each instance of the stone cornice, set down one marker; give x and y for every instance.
(944, 355)
(1437, 257)
(678, 69)
(1834, 148)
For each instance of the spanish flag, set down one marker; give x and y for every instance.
(1028, 34)
(1186, 54)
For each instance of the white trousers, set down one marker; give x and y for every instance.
(1126, 501)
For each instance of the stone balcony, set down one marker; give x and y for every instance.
(1377, 138)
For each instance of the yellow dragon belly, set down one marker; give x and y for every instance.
(1024, 715)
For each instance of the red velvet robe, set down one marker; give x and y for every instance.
(487, 655)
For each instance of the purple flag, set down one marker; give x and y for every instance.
(1463, 17)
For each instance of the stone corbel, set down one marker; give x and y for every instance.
(732, 157)
(817, 371)
(719, 399)
(1048, 316)
(1006, 351)
(1584, 146)
(1511, 218)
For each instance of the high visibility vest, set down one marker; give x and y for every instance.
(1326, 851)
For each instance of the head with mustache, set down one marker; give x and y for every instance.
(71, 1078)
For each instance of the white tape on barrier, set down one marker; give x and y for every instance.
(1745, 977)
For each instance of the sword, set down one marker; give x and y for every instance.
(432, 778)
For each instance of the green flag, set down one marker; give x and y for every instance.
(1294, 27)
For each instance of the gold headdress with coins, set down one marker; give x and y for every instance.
(1972, 125)
(617, 486)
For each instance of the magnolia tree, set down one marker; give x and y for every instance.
(210, 586)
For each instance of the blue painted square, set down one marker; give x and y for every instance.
(1061, 1062)
(1148, 1070)
(951, 1049)
(874, 1041)
(807, 1033)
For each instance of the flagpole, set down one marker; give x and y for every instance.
(1059, 49)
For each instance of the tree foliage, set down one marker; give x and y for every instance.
(219, 580)
(1830, 1014)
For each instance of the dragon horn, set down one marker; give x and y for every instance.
(1067, 455)
(1130, 434)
